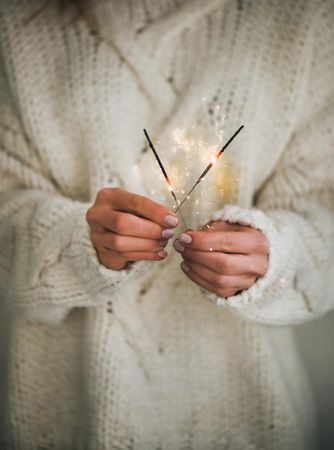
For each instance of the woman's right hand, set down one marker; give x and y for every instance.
(127, 227)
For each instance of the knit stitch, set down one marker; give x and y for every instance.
(139, 358)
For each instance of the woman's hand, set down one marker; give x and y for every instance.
(128, 227)
(224, 258)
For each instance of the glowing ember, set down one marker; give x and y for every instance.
(202, 176)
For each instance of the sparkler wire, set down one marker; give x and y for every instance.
(209, 166)
(171, 189)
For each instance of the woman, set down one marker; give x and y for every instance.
(113, 344)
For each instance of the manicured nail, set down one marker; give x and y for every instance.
(162, 254)
(178, 247)
(185, 238)
(171, 220)
(163, 242)
(184, 267)
(167, 234)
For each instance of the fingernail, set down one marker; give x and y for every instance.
(185, 238)
(178, 247)
(163, 242)
(167, 234)
(171, 220)
(162, 254)
(184, 267)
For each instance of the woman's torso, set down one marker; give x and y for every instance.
(163, 368)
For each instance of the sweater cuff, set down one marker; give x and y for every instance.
(99, 282)
(283, 258)
(70, 274)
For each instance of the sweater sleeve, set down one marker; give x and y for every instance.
(47, 262)
(295, 207)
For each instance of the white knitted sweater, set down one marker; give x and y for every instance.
(140, 359)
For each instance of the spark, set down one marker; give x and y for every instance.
(214, 159)
(202, 176)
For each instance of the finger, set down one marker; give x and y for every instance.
(130, 225)
(220, 291)
(145, 256)
(111, 260)
(220, 225)
(214, 278)
(248, 241)
(197, 279)
(117, 261)
(120, 243)
(143, 207)
(226, 263)
(205, 284)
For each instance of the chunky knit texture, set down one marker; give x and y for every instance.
(140, 359)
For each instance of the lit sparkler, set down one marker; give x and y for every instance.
(169, 184)
(212, 163)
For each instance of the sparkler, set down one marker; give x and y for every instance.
(169, 184)
(212, 163)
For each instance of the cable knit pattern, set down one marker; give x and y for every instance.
(138, 358)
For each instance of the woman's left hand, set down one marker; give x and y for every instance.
(223, 258)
